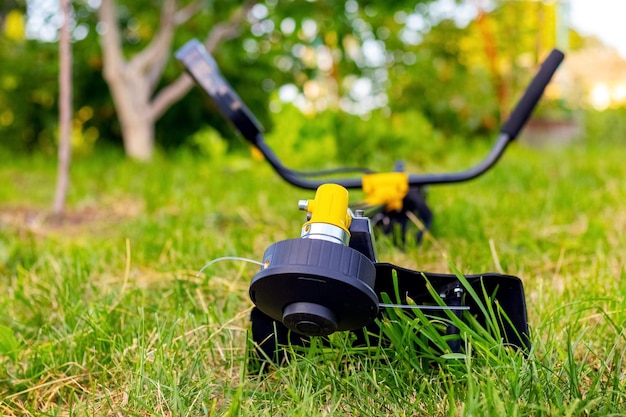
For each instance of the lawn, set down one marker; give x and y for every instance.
(103, 313)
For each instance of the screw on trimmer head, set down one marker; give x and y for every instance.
(316, 285)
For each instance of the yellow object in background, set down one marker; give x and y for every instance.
(387, 188)
(14, 26)
(257, 155)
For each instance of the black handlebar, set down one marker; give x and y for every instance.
(529, 100)
(204, 70)
(202, 67)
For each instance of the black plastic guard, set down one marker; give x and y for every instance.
(271, 336)
(491, 288)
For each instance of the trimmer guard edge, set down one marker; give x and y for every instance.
(505, 291)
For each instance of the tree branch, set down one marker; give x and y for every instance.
(170, 95)
(113, 58)
(225, 31)
(187, 12)
(159, 47)
(156, 55)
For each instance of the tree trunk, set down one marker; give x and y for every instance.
(65, 112)
(131, 96)
(138, 136)
(129, 84)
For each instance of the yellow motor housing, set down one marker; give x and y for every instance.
(330, 206)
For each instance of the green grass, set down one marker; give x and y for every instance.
(103, 314)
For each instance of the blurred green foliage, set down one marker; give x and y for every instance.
(28, 107)
(429, 76)
(606, 127)
(377, 141)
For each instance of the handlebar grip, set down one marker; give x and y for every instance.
(203, 68)
(529, 100)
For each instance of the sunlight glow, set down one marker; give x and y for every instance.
(600, 97)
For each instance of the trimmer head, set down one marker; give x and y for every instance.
(317, 284)
(316, 287)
